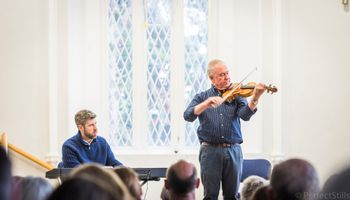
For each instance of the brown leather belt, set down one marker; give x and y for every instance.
(216, 144)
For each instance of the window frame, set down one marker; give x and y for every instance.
(177, 58)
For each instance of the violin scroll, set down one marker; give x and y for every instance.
(271, 89)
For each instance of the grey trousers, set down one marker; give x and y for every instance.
(220, 164)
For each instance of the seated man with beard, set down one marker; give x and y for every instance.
(86, 146)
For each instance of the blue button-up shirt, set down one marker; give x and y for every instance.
(221, 124)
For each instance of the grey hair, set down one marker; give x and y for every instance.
(211, 66)
(250, 185)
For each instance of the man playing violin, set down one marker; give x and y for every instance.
(219, 131)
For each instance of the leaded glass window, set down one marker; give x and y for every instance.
(153, 118)
(120, 66)
(158, 71)
(196, 42)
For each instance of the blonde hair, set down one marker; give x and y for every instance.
(211, 66)
(105, 178)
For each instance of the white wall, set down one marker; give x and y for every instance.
(24, 74)
(316, 66)
(301, 46)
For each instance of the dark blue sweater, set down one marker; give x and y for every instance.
(76, 151)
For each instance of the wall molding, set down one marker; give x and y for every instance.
(53, 77)
(277, 145)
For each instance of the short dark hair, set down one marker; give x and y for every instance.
(131, 180)
(292, 178)
(181, 186)
(261, 193)
(337, 185)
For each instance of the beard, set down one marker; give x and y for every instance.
(90, 135)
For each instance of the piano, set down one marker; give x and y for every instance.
(145, 174)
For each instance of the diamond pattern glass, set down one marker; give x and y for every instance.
(158, 71)
(120, 72)
(196, 43)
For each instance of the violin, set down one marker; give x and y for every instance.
(244, 91)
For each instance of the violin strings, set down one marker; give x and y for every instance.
(238, 85)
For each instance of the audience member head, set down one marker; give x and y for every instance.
(77, 188)
(294, 178)
(105, 177)
(250, 185)
(5, 175)
(331, 181)
(337, 186)
(35, 188)
(131, 181)
(261, 193)
(181, 180)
